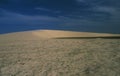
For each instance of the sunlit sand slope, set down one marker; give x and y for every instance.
(55, 34)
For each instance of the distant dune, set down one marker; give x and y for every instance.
(58, 34)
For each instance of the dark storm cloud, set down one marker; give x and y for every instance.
(17, 18)
(86, 15)
(3, 1)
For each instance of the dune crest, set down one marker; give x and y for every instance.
(45, 34)
(59, 33)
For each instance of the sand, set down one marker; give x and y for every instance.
(38, 53)
(57, 34)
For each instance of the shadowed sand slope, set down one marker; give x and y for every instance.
(58, 34)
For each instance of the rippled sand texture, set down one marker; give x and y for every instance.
(28, 55)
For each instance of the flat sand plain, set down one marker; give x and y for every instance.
(38, 53)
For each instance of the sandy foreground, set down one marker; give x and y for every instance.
(37, 53)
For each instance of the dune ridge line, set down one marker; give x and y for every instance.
(60, 34)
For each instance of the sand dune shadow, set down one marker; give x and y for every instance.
(102, 37)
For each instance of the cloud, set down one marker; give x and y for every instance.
(106, 9)
(3, 1)
(80, 0)
(113, 12)
(17, 18)
(47, 10)
(90, 18)
(42, 9)
(12, 18)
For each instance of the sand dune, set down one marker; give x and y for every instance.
(56, 34)
(34, 53)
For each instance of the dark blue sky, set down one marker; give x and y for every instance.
(76, 15)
